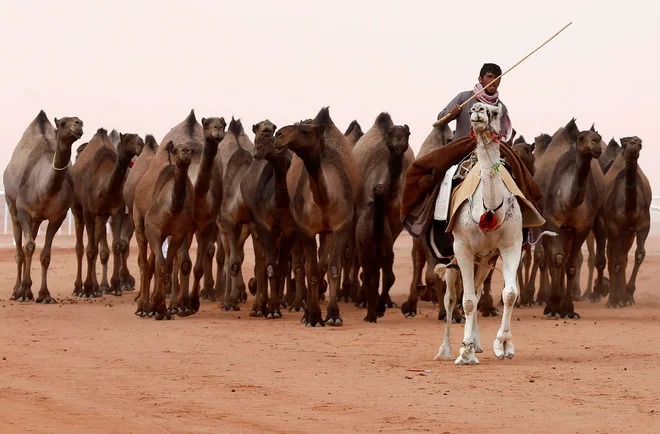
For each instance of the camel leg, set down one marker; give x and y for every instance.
(146, 261)
(555, 248)
(503, 345)
(91, 253)
(486, 306)
(244, 234)
(325, 246)
(30, 228)
(260, 305)
(371, 259)
(104, 256)
(591, 265)
(388, 281)
(575, 285)
(451, 295)
(44, 294)
(203, 237)
(465, 259)
(209, 283)
(541, 261)
(233, 261)
(571, 268)
(20, 256)
(115, 280)
(298, 267)
(618, 246)
(312, 316)
(347, 262)
(127, 282)
(287, 240)
(164, 270)
(640, 254)
(80, 248)
(338, 242)
(409, 307)
(220, 279)
(184, 265)
(601, 285)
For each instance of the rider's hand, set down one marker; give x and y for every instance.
(455, 111)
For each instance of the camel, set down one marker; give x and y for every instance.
(266, 196)
(235, 152)
(487, 224)
(322, 183)
(99, 174)
(208, 198)
(38, 187)
(627, 218)
(353, 132)
(383, 156)
(572, 182)
(421, 253)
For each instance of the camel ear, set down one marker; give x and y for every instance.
(624, 142)
(121, 137)
(254, 128)
(274, 127)
(533, 146)
(593, 128)
(574, 134)
(169, 147)
(223, 122)
(56, 123)
(204, 120)
(407, 128)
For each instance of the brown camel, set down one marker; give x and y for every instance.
(572, 184)
(235, 153)
(322, 183)
(627, 218)
(99, 174)
(208, 198)
(421, 254)
(266, 196)
(353, 132)
(382, 156)
(38, 187)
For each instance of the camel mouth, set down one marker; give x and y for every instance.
(280, 150)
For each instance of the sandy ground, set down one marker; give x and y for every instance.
(92, 366)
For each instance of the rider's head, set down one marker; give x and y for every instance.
(488, 73)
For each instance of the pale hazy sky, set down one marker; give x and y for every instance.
(140, 66)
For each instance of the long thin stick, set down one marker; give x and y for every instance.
(445, 118)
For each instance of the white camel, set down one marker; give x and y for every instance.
(490, 221)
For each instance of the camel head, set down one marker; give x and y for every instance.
(485, 117)
(397, 139)
(214, 129)
(69, 129)
(588, 144)
(180, 155)
(301, 138)
(631, 147)
(525, 152)
(130, 145)
(264, 140)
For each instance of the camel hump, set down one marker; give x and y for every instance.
(150, 142)
(520, 140)
(191, 121)
(42, 121)
(323, 117)
(353, 127)
(384, 122)
(235, 127)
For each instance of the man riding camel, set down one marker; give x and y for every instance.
(423, 178)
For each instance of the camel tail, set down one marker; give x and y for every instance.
(544, 233)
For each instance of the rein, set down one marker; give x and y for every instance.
(60, 169)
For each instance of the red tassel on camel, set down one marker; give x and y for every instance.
(488, 221)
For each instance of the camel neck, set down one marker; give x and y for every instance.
(631, 184)
(394, 169)
(60, 164)
(488, 155)
(118, 173)
(279, 179)
(317, 182)
(580, 180)
(203, 182)
(179, 188)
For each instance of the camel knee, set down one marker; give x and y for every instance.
(334, 272)
(185, 266)
(198, 271)
(117, 247)
(210, 251)
(45, 260)
(28, 248)
(469, 305)
(235, 268)
(509, 295)
(297, 271)
(104, 255)
(639, 256)
(572, 271)
(559, 260)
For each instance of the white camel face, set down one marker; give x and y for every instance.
(483, 115)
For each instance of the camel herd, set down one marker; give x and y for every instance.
(293, 186)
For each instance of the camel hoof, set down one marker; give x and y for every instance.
(256, 313)
(231, 308)
(370, 318)
(313, 319)
(296, 309)
(361, 304)
(115, 292)
(571, 315)
(274, 315)
(126, 287)
(471, 359)
(407, 310)
(46, 300)
(490, 313)
(504, 348)
(336, 322)
(172, 310)
(444, 353)
(165, 316)
(184, 312)
(141, 313)
(552, 315)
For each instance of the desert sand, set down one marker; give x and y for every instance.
(93, 366)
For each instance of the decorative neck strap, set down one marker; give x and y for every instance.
(63, 168)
